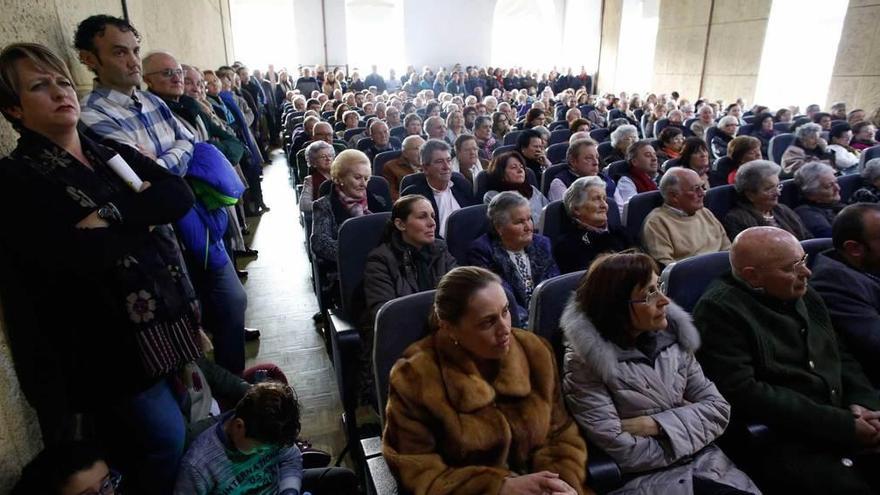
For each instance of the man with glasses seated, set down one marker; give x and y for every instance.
(770, 347)
(76, 468)
(682, 227)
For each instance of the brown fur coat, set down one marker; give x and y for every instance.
(448, 430)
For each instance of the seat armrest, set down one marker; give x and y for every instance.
(372, 446)
(341, 323)
(381, 481)
(603, 473)
(758, 434)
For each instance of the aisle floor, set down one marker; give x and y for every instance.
(281, 303)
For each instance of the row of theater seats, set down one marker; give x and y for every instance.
(402, 321)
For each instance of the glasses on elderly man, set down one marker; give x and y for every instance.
(166, 73)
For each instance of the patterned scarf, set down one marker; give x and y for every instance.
(355, 206)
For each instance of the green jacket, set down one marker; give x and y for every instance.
(781, 363)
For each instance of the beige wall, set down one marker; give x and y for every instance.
(856, 76)
(681, 36)
(193, 30)
(607, 78)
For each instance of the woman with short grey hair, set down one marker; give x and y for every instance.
(818, 185)
(870, 190)
(808, 147)
(588, 232)
(725, 133)
(319, 157)
(757, 204)
(621, 139)
(514, 251)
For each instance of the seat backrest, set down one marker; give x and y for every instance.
(685, 281)
(719, 171)
(383, 158)
(784, 127)
(327, 115)
(868, 154)
(617, 169)
(708, 137)
(815, 246)
(410, 179)
(550, 174)
(351, 132)
(637, 211)
(503, 149)
(547, 305)
(586, 109)
(600, 135)
(511, 137)
(688, 122)
(557, 124)
(399, 132)
(357, 237)
(560, 136)
(399, 323)
(643, 123)
(659, 125)
(720, 200)
(745, 130)
(749, 118)
(462, 227)
(848, 185)
(672, 162)
(556, 152)
(778, 145)
(790, 195)
(364, 144)
(481, 183)
(555, 218)
(605, 149)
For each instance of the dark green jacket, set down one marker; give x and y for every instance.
(781, 363)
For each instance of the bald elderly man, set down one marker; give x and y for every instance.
(682, 227)
(769, 346)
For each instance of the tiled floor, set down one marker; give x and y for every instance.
(281, 304)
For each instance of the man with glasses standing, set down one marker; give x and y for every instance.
(769, 345)
(682, 227)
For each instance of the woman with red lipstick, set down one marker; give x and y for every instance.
(634, 386)
(410, 259)
(474, 408)
(100, 311)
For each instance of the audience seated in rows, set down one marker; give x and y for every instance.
(634, 386)
(762, 129)
(670, 145)
(476, 379)
(621, 139)
(507, 172)
(808, 147)
(847, 279)
(513, 250)
(846, 158)
(532, 146)
(863, 135)
(381, 140)
(705, 121)
(757, 202)
(467, 160)
(447, 192)
(724, 134)
(640, 175)
(695, 156)
(821, 193)
(769, 346)
(583, 161)
(682, 227)
(740, 150)
(587, 232)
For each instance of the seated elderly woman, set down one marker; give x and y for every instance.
(757, 204)
(808, 147)
(640, 175)
(319, 157)
(513, 250)
(633, 384)
(587, 233)
(348, 197)
(579, 125)
(863, 135)
(762, 129)
(818, 186)
(727, 127)
(475, 407)
(846, 158)
(621, 139)
(583, 161)
(671, 142)
(655, 113)
(410, 259)
(412, 124)
(500, 125)
(740, 150)
(870, 190)
(101, 314)
(695, 156)
(507, 172)
(705, 120)
(536, 117)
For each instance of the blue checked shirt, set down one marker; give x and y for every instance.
(141, 120)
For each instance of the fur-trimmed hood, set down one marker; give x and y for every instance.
(601, 355)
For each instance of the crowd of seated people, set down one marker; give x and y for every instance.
(446, 128)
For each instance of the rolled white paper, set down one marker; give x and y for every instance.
(124, 171)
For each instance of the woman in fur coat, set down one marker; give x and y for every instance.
(633, 385)
(475, 407)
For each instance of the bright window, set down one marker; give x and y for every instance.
(260, 39)
(799, 51)
(374, 32)
(524, 34)
(581, 38)
(638, 39)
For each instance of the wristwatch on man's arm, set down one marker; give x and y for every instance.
(109, 213)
